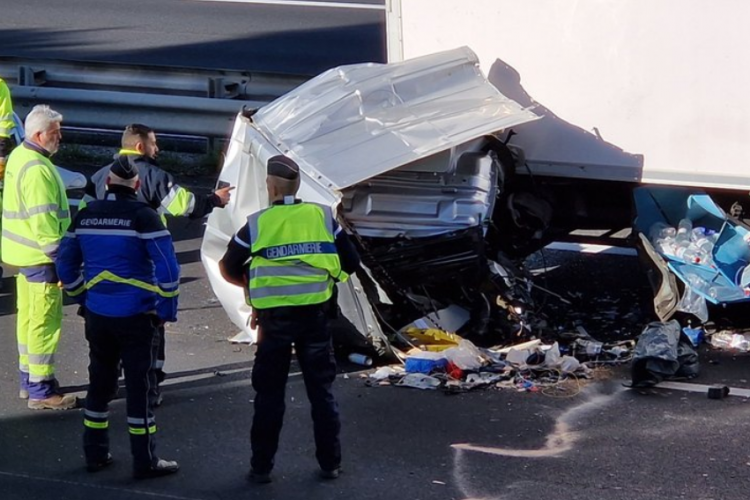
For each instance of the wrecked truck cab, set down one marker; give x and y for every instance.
(408, 157)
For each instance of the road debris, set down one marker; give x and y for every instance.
(435, 359)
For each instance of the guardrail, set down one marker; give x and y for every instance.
(183, 101)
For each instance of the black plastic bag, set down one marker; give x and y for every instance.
(663, 352)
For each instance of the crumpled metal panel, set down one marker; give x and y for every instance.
(420, 203)
(351, 124)
(245, 169)
(354, 122)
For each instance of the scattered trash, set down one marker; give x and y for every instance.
(693, 302)
(529, 366)
(384, 372)
(695, 335)
(360, 359)
(438, 482)
(465, 356)
(419, 381)
(432, 339)
(730, 340)
(663, 352)
(425, 362)
(718, 392)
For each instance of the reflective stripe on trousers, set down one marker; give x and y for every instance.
(38, 329)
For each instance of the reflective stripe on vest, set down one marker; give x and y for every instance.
(32, 234)
(178, 202)
(159, 290)
(294, 256)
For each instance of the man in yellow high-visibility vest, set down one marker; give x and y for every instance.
(298, 252)
(7, 141)
(34, 220)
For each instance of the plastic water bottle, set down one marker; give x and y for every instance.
(665, 246)
(689, 254)
(360, 359)
(704, 244)
(684, 229)
(661, 230)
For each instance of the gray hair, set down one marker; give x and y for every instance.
(41, 118)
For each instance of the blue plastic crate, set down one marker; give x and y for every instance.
(731, 253)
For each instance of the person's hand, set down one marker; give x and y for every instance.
(224, 194)
(254, 319)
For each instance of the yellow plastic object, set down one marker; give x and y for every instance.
(432, 339)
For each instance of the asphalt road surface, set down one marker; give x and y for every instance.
(286, 36)
(600, 442)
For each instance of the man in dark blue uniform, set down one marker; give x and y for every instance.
(298, 253)
(159, 190)
(118, 261)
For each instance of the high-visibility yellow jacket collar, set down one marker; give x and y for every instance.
(36, 147)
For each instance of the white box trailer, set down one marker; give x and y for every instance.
(647, 91)
(418, 159)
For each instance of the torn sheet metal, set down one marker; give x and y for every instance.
(355, 122)
(401, 146)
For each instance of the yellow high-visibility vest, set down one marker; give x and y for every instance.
(295, 261)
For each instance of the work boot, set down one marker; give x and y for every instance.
(23, 394)
(97, 465)
(161, 468)
(330, 474)
(259, 477)
(54, 402)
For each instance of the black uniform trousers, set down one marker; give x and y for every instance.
(131, 342)
(305, 327)
(161, 355)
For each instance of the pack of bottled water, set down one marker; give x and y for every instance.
(692, 245)
(695, 245)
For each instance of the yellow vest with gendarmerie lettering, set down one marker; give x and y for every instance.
(36, 213)
(294, 258)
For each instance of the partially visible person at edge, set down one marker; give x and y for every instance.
(35, 218)
(298, 253)
(118, 261)
(159, 190)
(7, 142)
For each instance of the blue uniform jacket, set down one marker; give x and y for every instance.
(118, 259)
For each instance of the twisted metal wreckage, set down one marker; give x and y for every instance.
(411, 156)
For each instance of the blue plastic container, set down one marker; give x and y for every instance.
(427, 366)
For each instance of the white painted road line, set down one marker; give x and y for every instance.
(304, 3)
(683, 386)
